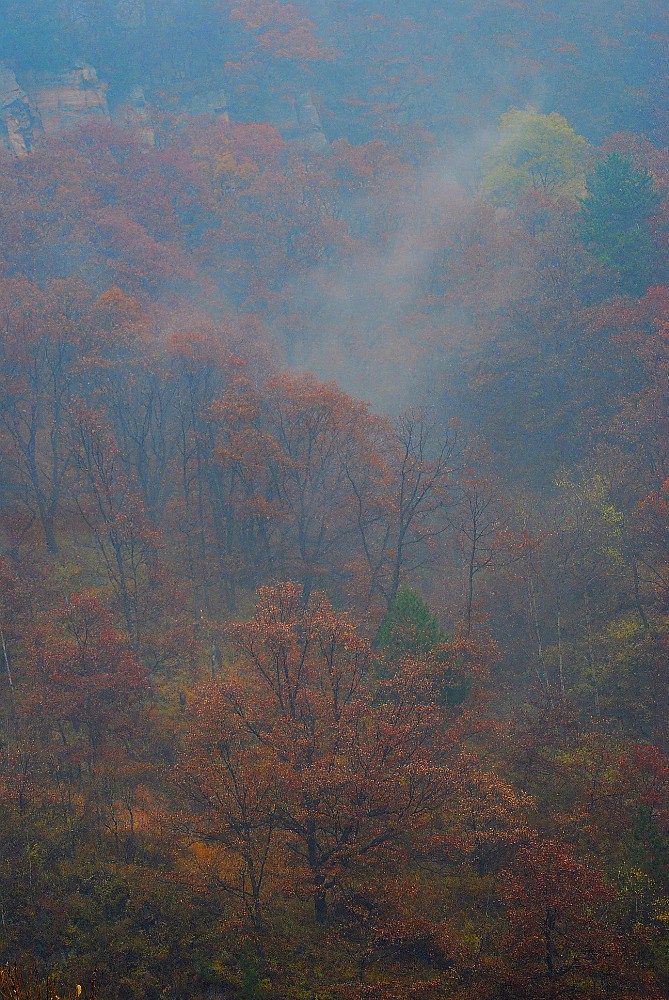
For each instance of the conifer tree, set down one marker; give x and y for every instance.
(410, 628)
(614, 220)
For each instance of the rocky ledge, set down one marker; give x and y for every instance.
(18, 120)
(51, 103)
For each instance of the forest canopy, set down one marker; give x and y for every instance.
(334, 500)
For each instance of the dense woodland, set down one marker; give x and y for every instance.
(334, 506)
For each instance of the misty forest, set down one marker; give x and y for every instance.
(334, 500)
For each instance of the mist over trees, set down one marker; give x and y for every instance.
(334, 500)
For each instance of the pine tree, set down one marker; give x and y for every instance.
(614, 220)
(410, 628)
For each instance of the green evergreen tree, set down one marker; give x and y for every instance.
(410, 627)
(614, 220)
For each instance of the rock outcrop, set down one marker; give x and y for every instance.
(134, 113)
(69, 98)
(210, 102)
(296, 115)
(17, 119)
(309, 129)
(51, 103)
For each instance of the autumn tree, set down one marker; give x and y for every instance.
(535, 151)
(400, 501)
(42, 337)
(346, 767)
(82, 690)
(112, 509)
(561, 938)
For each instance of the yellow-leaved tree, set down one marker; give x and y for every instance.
(535, 152)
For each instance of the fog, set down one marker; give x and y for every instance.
(334, 500)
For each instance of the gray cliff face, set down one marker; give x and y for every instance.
(51, 103)
(134, 113)
(309, 128)
(201, 98)
(69, 98)
(296, 115)
(18, 121)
